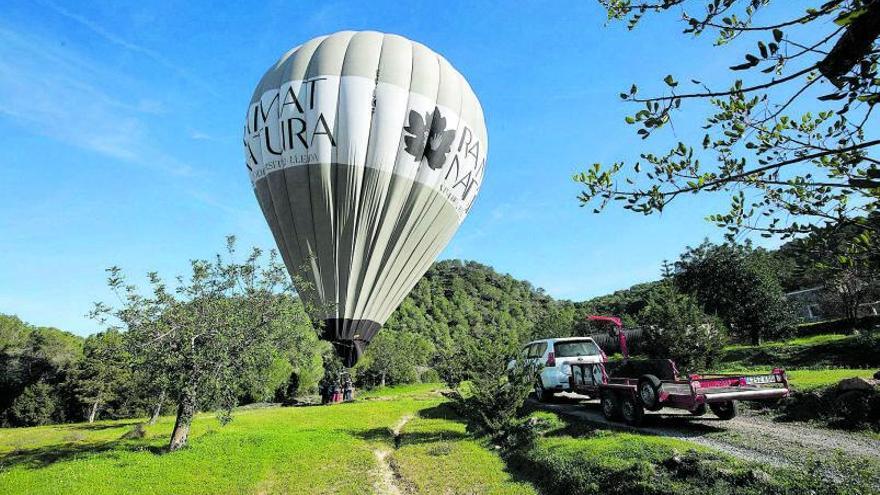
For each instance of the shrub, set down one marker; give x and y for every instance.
(852, 409)
(678, 329)
(429, 375)
(496, 393)
(35, 406)
(137, 432)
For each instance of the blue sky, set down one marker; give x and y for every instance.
(120, 129)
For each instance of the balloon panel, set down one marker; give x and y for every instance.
(366, 151)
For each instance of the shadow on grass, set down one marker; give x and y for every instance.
(45, 456)
(443, 410)
(410, 438)
(103, 426)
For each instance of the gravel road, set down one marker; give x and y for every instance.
(748, 436)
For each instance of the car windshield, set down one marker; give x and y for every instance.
(576, 348)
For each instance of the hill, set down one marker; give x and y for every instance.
(457, 298)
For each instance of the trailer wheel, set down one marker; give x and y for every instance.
(724, 410)
(649, 392)
(542, 394)
(610, 405)
(632, 410)
(700, 410)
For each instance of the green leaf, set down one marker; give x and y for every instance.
(670, 81)
(777, 35)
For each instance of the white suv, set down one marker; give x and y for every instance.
(554, 357)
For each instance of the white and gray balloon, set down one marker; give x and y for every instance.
(366, 151)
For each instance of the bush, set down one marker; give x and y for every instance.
(852, 409)
(495, 395)
(678, 329)
(34, 407)
(137, 432)
(429, 375)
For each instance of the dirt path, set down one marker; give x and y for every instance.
(748, 437)
(386, 483)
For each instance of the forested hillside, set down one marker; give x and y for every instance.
(457, 298)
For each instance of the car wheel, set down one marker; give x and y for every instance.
(649, 392)
(632, 410)
(610, 409)
(724, 410)
(542, 394)
(700, 410)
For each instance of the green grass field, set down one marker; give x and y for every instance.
(811, 362)
(814, 352)
(337, 449)
(271, 450)
(799, 341)
(809, 379)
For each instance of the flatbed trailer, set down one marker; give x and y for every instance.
(629, 387)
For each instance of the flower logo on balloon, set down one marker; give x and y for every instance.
(432, 143)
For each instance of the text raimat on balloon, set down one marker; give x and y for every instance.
(365, 151)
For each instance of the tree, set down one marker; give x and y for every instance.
(296, 359)
(737, 283)
(103, 372)
(394, 357)
(29, 355)
(209, 332)
(794, 145)
(626, 304)
(35, 406)
(847, 289)
(678, 329)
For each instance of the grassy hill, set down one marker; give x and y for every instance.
(270, 450)
(811, 362)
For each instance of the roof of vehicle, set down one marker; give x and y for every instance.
(560, 339)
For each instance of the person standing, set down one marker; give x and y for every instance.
(348, 389)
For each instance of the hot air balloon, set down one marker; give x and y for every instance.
(366, 152)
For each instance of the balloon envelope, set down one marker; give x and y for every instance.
(365, 151)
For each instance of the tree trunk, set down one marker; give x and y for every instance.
(382, 383)
(93, 412)
(186, 409)
(756, 337)
(157, 409)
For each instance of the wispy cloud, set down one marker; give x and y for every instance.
(57, 93)
(121, 42)
(197, 135)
